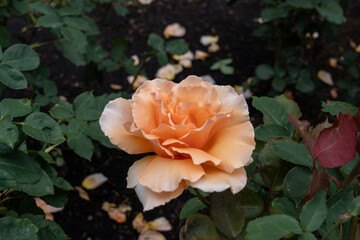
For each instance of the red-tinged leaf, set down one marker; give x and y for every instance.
(303, 128)
(336, 146)
(319, 180)
(357, 119)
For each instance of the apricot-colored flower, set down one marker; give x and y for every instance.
(201, 135)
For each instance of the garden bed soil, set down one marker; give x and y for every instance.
(85, 219)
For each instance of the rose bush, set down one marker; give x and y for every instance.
(201, 134)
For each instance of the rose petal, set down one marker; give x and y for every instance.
(233, 145)
(174, 30)
(151, 235)
(82, 193)
(325, 77)
(150, 199)
(198, 156)
(216, 180)
(207, 39)
(201, 55)
(214, 47)
(144, 108)
(93, 181)
(136, 169)
(115, 114)
(139, 224)
(233, 103)
(160, 224)
(172, 171)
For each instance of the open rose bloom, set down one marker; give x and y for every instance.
(200, 133)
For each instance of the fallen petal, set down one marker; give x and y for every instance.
(160, 224)
(214, 47)
(136, 60)
(174, 30)
(116, 86)
(151, 235)
(333, 62)
(82, 193)
(201, 55)
(93, 181)
(207, 40)
(325, 77)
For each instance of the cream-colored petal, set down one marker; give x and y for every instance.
(115, 115)
(233, 145)
(198, 156)
(136, 169)
(234, 103)
(216, 180)
(150, 199)
(165, 174)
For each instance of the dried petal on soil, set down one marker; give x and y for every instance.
(93, 181)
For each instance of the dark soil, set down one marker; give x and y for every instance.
(86, 220)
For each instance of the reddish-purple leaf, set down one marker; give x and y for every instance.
(319, 180)
(303, 128)
(336, 146)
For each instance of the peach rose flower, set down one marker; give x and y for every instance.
(200, 133)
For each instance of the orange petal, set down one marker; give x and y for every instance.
(115, 115)
(144, 107)
(198, 156)
(150, 199)
(216, 180)
(233, 145)
(172, 172)
(232, 103)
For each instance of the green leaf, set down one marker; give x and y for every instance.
(43, 8)
(304, 82)
(297, 182)
(267, 132)
(272, 168)
(251, 202)
(286, 206)
(331, 11)
(337, 107)
(12, 77)
(52, 230)
(314, 212)
(58, 199)
(82, 23)
(272, 13)
(21, 167)
(74, 35)
(42, 127)
(307, 236)
(15, 107)
(17, 229)
(227, 70)
(94, 131)
(49, 21)
(8, 132)
(177, 47)
(4, 38)
(339, 203)
(94, 51)
(272, 227)
(227, 213)
(272, 109)
(199, 226)
(279, 83)
(190, 207)
(121, 10)
(71, 52)
(41, 188)
(62, 111)
(82, 146)
(293, 152)
(355, 207)
(21, 57)
(264, 72)
(307, 4)
(21, 6)
(155, 41)
(290, 105)
(82, 103)
(75, 128)
(162, 57)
